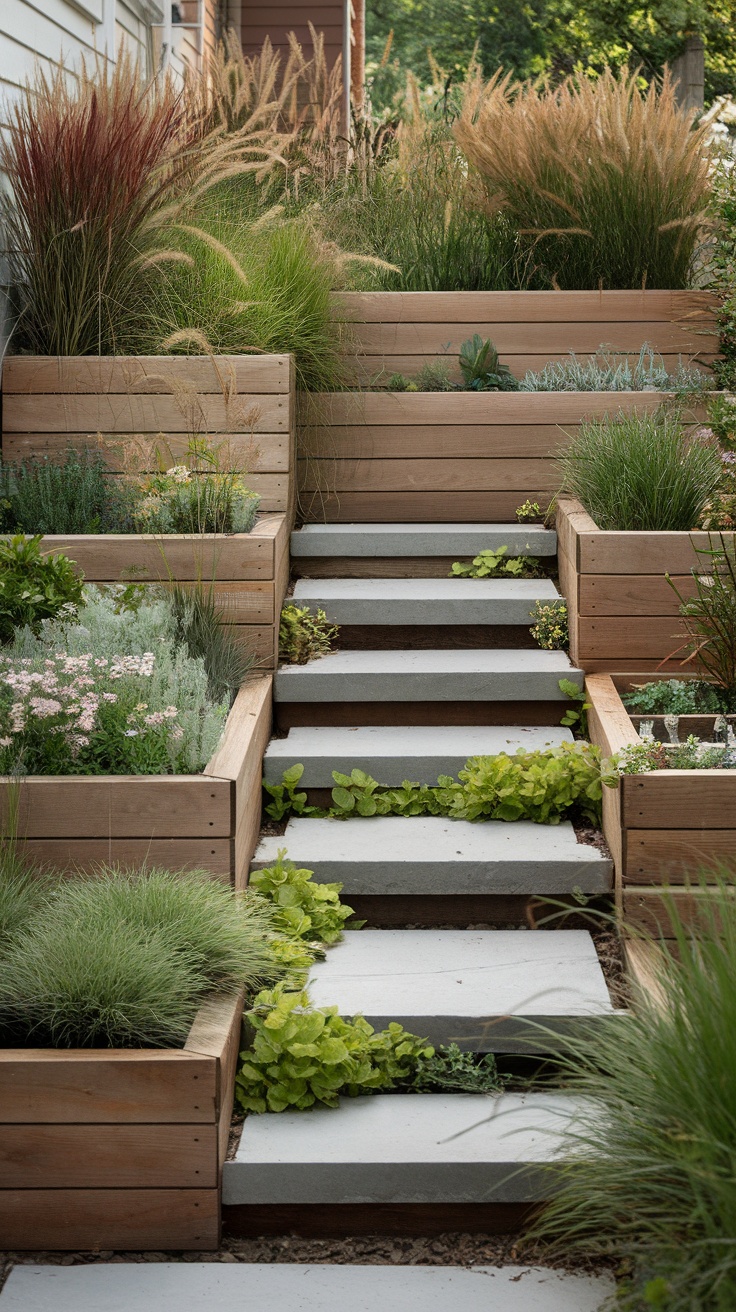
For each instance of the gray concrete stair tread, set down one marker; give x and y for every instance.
(275, 1287)
(392, 753)
(433, 675)
(444, 984)
(433, 855)
(425, 601)
(403, 1148)
(458, 540)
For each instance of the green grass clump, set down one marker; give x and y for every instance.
(649, 1174)
(199, 627)
(641, 471)
(124, 958)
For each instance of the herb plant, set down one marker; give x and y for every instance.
(302, 908)
(35, 586)
(672, 697)
(549, 629)
(489, 564)
(641, 471)
(304, 635)
(78, 495)
(611, 371)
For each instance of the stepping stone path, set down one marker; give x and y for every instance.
(479, 987)
(268, 1287)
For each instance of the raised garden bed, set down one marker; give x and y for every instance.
(208, 821)
(660, 826)
(623, 614)
(118, 1148)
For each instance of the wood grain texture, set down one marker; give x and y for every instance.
(680, 799)
(632, 637)
(116, 557)
(647, 910)
(646, 553)
(143, 413)
(373, 371)
(608, 720)
(120, 806)
(39, 374)
(255, 453)
(85, 855)
(655, 856)
(240, 758)
(390, 339)
(89, 1157)
(528, 307)
(441, 441)
(443, 476)
(373, 567)
(628, 595)
(454, 408)
(122, 1219)
(643, 966)
(100, 1086)
(417, 507)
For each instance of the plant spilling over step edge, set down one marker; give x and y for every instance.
(550, 629)
(544, 786)
(304, 635)
(494, 563)
(108, 680)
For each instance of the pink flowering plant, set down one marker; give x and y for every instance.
(85, 714)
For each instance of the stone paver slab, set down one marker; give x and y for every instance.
(422, 540)
(425, 601)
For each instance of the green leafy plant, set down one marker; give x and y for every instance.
(649, 1171)
(550, 629)
(302, 1055)
(672, 697)
(489, 563)
(186, 499)
(693, 754)
(286, 800)
(641, 471)
(162, 940)
(34, 586)
(77, 495)
(480, 367)
(304, 635)
(709, 617)
(530, 512)
(611, 371)
(450, 1070)
(302, 908)
(398, 383)
(576, 716)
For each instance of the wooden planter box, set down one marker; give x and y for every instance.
(245, 403)
(118, 1148)
(208, 821)
(430, 456)
(623, 614)
(661, 826)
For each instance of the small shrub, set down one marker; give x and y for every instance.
(530, 512)
(672, 697)
(490, 564)
(398, 383)
(648, 1176)
(639, 471)
(76, 496)
(480, 367)
(549, 629)
(610, 371)
(304, 635)
(648, 755)
(434, 376)
(302, 909)
(161, 940)
(183, 500)
(35, 587)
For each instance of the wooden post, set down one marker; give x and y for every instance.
(688, 72)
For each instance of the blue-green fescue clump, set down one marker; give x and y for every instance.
(123, 958)
(114, 693)
(648, 1176)
(612, 371)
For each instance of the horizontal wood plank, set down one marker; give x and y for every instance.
(95, 1086)
(650, 637)
(679, 799)
(647, 910)
(85, 855)
(90, 1157)
(126, 1220)
(145, 374)
(656, 855)
(526, 307)
(536, 338)
(111, 414)
(402, 408)
(251, 453)
(444, 441)
(374, 370)
(426, 475)
(124, 806)
(416, 507)
(136, 557)
(646, 553)
(632, 594)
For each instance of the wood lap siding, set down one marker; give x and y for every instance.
(277, 20)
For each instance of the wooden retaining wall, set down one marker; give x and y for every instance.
(450, 456)
(208, 821)
(623, 614)
(396, 332)
(243, 402)
(662, 826)
(118, 1148)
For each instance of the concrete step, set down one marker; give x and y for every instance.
(393, 753)
(276, 1287)
(477, 988)
(458, 540)
(428, 676)
(403, 1148)
(430, 855)
(425, 601)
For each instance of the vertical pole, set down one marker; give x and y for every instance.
(167, 37)
(357, 67)
(688, 72)
(347, 37)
